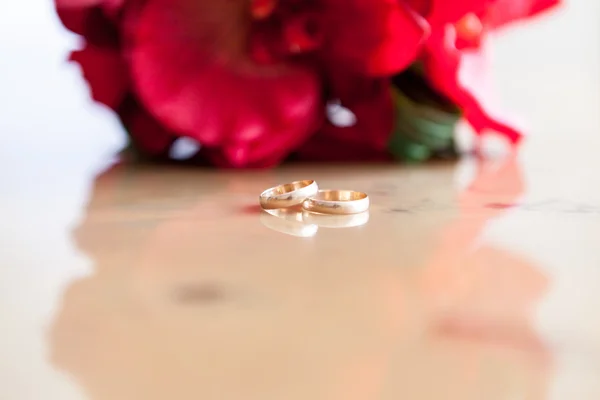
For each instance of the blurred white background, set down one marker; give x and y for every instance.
(547, 71)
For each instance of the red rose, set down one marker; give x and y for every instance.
(249, 80)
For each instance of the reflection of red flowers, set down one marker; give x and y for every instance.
(250, 79)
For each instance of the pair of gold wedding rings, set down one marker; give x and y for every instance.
(307, 194)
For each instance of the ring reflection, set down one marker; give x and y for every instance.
(288, 222)
(306, 224)
(336, 221)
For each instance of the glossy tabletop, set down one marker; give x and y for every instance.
(471, 280)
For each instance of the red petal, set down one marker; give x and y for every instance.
(405, 33)
(442, 63)
(147, 133)
(105, 72)
(82, 16)
(505, 11)
(110, 6)
(261, 9)
(74, 14)
(299, 37)
(379, 37)
(192, 72)
(449, 12)
(422, 7)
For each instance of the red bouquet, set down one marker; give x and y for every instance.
(256, 82)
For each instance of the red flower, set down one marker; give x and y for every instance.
(93, 19)
(248, 79)
(106, 70)
(459, 25)
(502, 12)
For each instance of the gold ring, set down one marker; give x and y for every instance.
(337, 202)
(287, 195)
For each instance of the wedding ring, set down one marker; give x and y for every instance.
(287, 195)
(337, 202)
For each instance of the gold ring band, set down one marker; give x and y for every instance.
(342, 202)
(288, 195)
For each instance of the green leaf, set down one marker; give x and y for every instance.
(425, 122)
